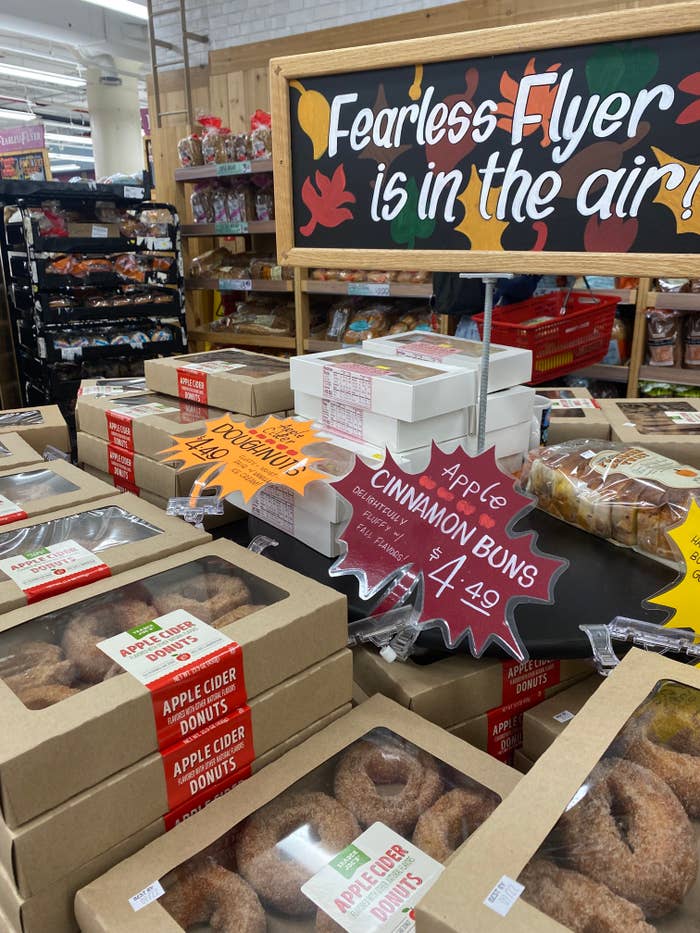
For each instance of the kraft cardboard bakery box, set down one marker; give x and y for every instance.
(313, 792)
(670, 427)
(170, 784)
(575, 413)
(52, 908)
(508, 366)
(78, 724)
(383, 385)
(16, 452)
(30, 491)
(521, 762)
(454, 689)
(40, 426)
(109, 387)
(55, 553)
(545, 722)
(235, 380)
(560, 814)
(499, 732)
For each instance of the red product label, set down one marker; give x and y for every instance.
(126, 487)
(528, 679)
(505, 730)
(13, 517)
(62, 584)
(192, 385)
(190, 807)
(120, 464)
(120, 430)
(198, 695)
(207, 759)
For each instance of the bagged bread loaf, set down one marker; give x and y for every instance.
(626, 494)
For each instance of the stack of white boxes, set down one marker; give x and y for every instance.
(400, 393)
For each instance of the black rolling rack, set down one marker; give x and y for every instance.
(65, 327)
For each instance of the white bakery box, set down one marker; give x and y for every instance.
(393, 387)
(508, 366)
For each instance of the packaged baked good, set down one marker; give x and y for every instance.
(672, 285)
(416, 319)
(265, 204)
(259, 316)
(213, 149)
(260, 135)
(626, 494)
(189, 150)
(691, 342)
(237, 146)
(202, 208)
(268, 268)
(352, 275)
(664, 337)
(381, 278)
(371, 320)
(219, 205)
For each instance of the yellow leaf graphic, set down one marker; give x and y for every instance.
(314, 115)
(684, 596)
(237, 458)
(415, 90)
(687, 219)
(482, 234)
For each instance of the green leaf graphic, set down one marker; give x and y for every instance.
(615, 68)
(407, 226)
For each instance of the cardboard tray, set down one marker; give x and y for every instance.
(49, 755)
(16, 452)
(104, 905)
(531, 811)
(648, 423)
(545, 722)
(64, 486)
(235, 380)
(43, 850)
(39, 426)
(569, 424)
(52, 909)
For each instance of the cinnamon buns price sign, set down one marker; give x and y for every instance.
(449, 526)
(472, 150)
(684, 596)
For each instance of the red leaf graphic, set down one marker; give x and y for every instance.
(325, 203)
(613, 235)
(691, 114)
(542, 231)
(691, 84)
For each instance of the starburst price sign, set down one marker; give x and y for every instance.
(238, 458)
(684, 595)
(451, 527)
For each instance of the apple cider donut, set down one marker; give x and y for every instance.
(38, 674)
(208, 596)
(43, 695)
(89, 626)
(367, 765)
(631, 833)
(326, 924)
(443, 828)
(209, 893)
(259, 850)
(577, 902)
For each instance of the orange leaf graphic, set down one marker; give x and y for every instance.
(540, 101)
(325, 203)
(237, 458)
(482, 234)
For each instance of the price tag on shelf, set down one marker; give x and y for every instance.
(132, 192)
(450, 526)
(233, 168)
(100, 232)
(235, 285)
(231, 229)
(372, 289)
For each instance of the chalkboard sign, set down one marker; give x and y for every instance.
(571, 146)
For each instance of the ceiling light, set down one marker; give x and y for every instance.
(67, 124)
(60, 169)
(41, 77)
(57, 156)
(67, 138)
(16, 115)
(127, 7)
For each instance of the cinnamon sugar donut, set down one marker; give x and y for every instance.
(208, 596)
(326, 924)
(43, 695)
(209, 893)
(38, 674)
(443, 828)
(277, 877)
(89, 626)
(665, 738)
(630, 832)
(577, 902)
(235, 614)
(367, 764)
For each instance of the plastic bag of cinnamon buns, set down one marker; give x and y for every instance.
(623, 857)
(626, 494)
(382, 801)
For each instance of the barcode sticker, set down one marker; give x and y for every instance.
(132, 192)
(100, 232)
(504, 895)
(147, 896)
(564, 716)
(588, 455)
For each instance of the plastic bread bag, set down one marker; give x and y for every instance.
(268, 268)
(210, 262)
(691, 345)
(219, 205)
(56, 655)
(260, 135)
(664, 338)
(623, 855)
(259, 316)
(625, 494)
(202, 209)
(421, 318)
(189, 151)
(373, 320)
(213, 140)
(237, 147)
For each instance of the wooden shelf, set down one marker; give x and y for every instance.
(677, 376)
(682, 301)
(320, 346)
(228, 170)
(224, 339)
(253, 226)
(605, 371)
(257, 285)
(396, 289)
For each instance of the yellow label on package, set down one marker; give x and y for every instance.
(684, 595)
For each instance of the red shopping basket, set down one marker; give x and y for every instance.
(565, 330)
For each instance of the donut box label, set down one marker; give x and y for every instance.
(505, 729)
(566, 404)
(208, 760)
(120, 429)
(194, 805)
(193, 671)
(120, 465)
(423, 350)
(147, 896)
(275, 504)
(350, 383)
(528, 680)
(55, 569)
(375, 883)
(10, 512)
(503, 895)
(343, 419)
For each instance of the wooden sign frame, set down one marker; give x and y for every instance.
(669, 19)
(44, 153)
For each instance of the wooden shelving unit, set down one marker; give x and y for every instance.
(225, 285)
(220, 230)
(674, 375)
(195, 173)
(389, 290)
(222, 338)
